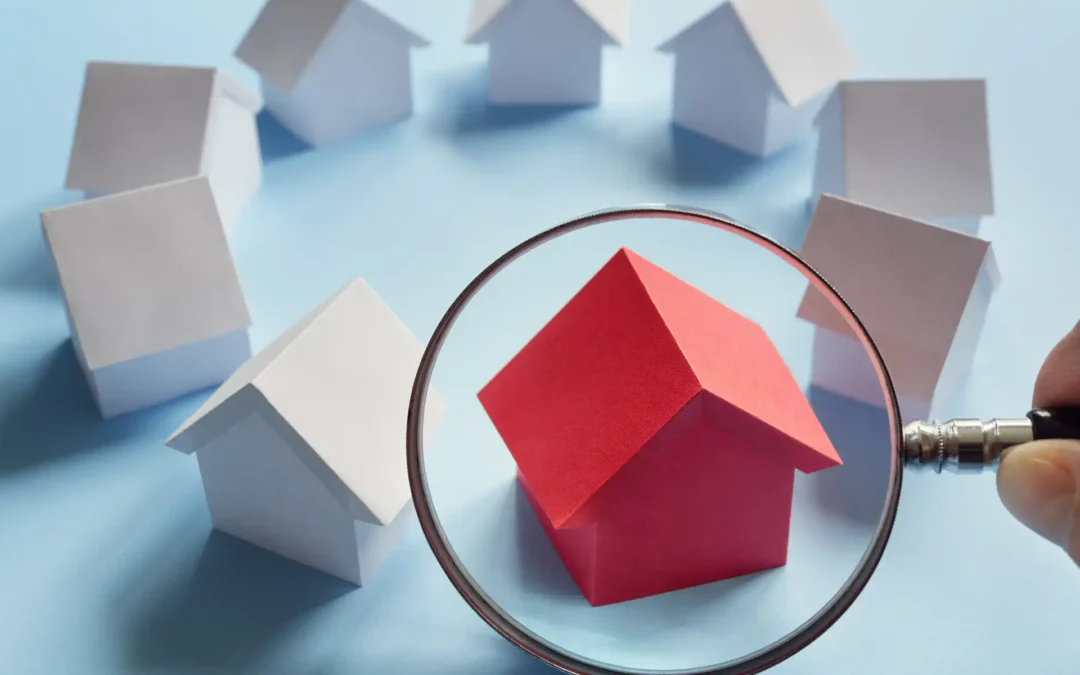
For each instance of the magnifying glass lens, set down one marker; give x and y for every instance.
(666, 448)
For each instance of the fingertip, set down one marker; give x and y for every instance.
(1058, 380)
(1039, 484)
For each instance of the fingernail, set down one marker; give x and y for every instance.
(1037, 483)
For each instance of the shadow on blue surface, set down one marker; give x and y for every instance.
(783, 220)
(500, 658)
(55, 417)
(232, 610)
(276, 141)
(693, 159)
(860, 433)
(466, 101)
(542, 569)
(25, 264)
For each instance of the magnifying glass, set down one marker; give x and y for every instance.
(670, 446)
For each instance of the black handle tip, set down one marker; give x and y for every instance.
(1062, 422)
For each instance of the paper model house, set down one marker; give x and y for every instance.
(331, 68)
(656, 433)
(919, 148)
(921, 291)
(153, 299)
(547, 52)
(302, 450)
(140, 125)
(754, 74)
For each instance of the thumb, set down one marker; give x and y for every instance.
(1039, 483)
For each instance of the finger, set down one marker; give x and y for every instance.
(1039, 483)
(1058, 381)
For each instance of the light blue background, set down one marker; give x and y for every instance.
(106, 563)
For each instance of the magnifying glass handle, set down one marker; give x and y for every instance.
(974, 446)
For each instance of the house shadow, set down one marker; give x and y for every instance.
(468, 110)
(691, 159)
(509, 660)
(790, 222)
(542, 569)
(56, 417)
(745, 598)
(277, 142)
(784, 219)
(227, 615)
(25, 264)
(860, 433)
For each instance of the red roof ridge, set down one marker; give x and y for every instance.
(809, 434)
(633, 259)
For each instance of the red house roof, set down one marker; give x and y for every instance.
(618, 361)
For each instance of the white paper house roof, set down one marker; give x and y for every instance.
(611, 16)
(336, 388)
(909, 283)
(145, 270)
(287, 35)
(799, 42)
(145, 124)
(917, 147)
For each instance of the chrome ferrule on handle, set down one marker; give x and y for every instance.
(963, 445)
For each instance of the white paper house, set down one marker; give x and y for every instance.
(331, 68)
(140, 125)
(921, 291)
(754, 74)
(302, 451)
(153, 299)
(547, 52)
(920, 148)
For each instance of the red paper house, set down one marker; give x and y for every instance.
(656, 434)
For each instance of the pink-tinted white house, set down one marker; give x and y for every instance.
(920, 148)
(921, 291)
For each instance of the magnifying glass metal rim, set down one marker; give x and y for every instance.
(507, 626)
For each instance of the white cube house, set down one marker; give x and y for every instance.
(153, 299)
(921, 291)
(331, 69)
(754, 74)
(547, 52)
(140, 125)
(302, 450)
(920, 148)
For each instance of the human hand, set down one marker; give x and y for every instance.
(1039, 482)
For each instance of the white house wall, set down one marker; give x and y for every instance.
(258, 490)
(786, 125)
(360, 78)
(376, 543)
(544, 53)
(233, 158)
(829, 169)
(289, 111)
(962, 353)
(721, 85)
(966, 224)
(143, 382)
(842, 365)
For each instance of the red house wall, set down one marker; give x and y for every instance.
(695, 505)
